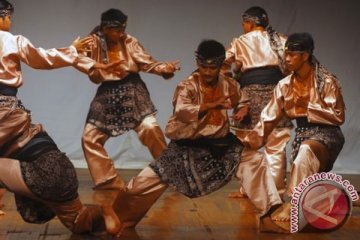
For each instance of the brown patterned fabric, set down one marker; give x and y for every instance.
(330, 136)
(321, 74)
(120, 106)
(12, 102)
(33, 211)
(259, 95)
(277, 46)
(195, 171)
(51, 177)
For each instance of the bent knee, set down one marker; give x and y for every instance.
(306, 159)
(93, 135)
(149, 122)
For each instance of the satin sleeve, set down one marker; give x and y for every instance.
(229, 60)
(328, 107)
(84, 64)
(40, 58)
(269, 118)
(186, 109)
(98, 76)
(145, 61)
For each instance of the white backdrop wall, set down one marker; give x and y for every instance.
(170, 30)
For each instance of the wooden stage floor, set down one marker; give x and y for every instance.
(174, 217)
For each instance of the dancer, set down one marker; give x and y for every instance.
(258, 58)
(122, 101)
(312, 97)
(203, 155)
(41, 177)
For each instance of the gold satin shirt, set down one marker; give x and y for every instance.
(252, 50)
(16, 48)
(325, 107)
(185, 122)
(135, 58)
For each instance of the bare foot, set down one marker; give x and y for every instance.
(116, 183)
(112, 222)
(237, 195)
(267, 225)
(284, 213)
(2, 213)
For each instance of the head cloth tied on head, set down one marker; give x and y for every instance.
(7, 11)
(113, 24)
(300, 42)
(210, 52)
(113, 18)
(210, 61)
(257, 15)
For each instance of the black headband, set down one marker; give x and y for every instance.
(296, 47)
(210, 61)
(256, 19)
(6, 11)
(113, 24)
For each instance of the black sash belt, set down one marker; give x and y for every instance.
(7, 90)
(303, 122)
(126, 79)
(262, 75)
(41, 143)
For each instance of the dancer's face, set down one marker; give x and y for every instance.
(209, 73)
(114, 34)
(5, 23)
(247, 26)
(295, 60)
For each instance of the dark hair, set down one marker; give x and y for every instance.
(6, 8)
(209, 49)
(301, 41)
(260, 14)
(113, 15)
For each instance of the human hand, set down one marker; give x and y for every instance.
(174, 65)
(167, 76)
(221, 103)
(301, 102)
(237, 67)
(83, 44)
(170, 68)
(241, 113)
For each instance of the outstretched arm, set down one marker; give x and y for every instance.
(148, 64)
(41, 58)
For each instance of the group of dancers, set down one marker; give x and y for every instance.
(266, 78)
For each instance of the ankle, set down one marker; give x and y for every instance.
(112, 222)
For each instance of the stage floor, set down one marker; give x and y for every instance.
(174, 217)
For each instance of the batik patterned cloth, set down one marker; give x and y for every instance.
(196, 171)
(260, 95)
(330, 136)
(50, 177)
(120, 106)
